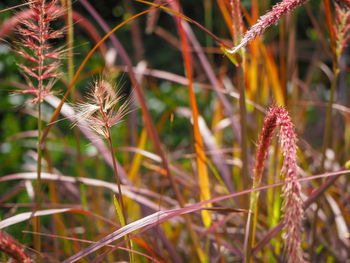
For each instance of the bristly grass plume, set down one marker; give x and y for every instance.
(267, 20)
(292, 202)
(12, 249)
(43, 60)
(342, 27)
(102, 109)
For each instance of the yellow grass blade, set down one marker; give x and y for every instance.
(199, 145)
(136, 163)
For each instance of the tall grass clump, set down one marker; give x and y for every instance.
(41, 67)
(292, 202)
(182, 180)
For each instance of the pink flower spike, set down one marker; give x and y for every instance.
(291, 192)
(342, 27)
(42, 60)
(267, 20)
(12, 249)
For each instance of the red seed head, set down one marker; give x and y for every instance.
(12, 249)
(292, 203)
(272, 17)
(35, 32)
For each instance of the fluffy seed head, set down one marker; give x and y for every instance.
(103, 108)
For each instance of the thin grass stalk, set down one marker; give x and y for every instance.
(120, 199)
(237, 28)
(328, 121)
(334, 81)
(123, 220)
(70, 42)
(37, 239)
(328, 124)
(58, 221)
(37, 227)
(15, 7)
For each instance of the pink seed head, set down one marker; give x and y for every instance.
(292, 202)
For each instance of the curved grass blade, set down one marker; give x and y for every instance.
(82, 65)
(162, 216)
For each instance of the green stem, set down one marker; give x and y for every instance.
(120, 199)
(70, 41)
(37, 238)
(123, 220)
(328, 123)
(254, 197)
(237, 31)
(326, 138)
(243, 122)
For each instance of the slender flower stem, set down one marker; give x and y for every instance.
(328, 124)
(109, 138)
(37, 238)
(237, 29)
(70, 59)
(120, 199)
(37, 242)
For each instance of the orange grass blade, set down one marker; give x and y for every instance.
(330, 25)
(199, 146)
(165, 8)
(136, 163)
(217, 39)
(226, 14)
(82, 65)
